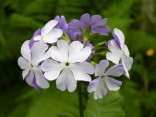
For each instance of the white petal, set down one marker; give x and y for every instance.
(56, 54)
(126, 51)
(37, 38)
(52, 69)
(23, 63)
(125, 68)
(29, 78)
(60, 53)
(40, 80)
(80, 75)
(66, 80)
(47, 28)
(37, 51)
(114, 57)
(43, 57)
(77, 53)
(101, 90)
(25, 73)
(101, 67)
(98, 87)
(53, 36)
(114, 47)
(93, 85)
(64, 48)
(49, 64)
(116, 70)
(25, 50)
(120, 36)
(128, 62)
(112, 84)
(85, 67)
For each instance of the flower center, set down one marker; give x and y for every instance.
(103, 76)
(67, 64)
(31, 66)
(41, 37)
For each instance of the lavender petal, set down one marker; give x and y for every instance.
(95, 19)
(35, 85)
(85, 18)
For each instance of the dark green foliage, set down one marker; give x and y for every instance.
(109, 106)
(136, 18)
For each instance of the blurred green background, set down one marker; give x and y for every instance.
(20, 18)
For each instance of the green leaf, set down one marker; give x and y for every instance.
(98, 45)
(22, 21)
(48, 103)
(109, 106)
(132, 98)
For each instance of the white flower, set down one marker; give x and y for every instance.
(49, 34)
(30, 63)
(103, 81)
(68, 65)
(119, 51)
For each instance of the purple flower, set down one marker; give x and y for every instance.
(30, 61)
(62, 24)
(104, 79)
(119, 51)
(95, 22)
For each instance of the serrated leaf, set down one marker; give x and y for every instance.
(109, 106)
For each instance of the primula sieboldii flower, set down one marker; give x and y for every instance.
(46, 57)
(119, 51)
(30, 61)
(68, 65)
(49, 34)
(95, 22)
(104, 81)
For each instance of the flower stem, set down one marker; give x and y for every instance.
(80, 100)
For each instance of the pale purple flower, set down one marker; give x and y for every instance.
(68, 65)
(49, 34)
(95, 22)
(119, 51)
(104, 79)
(30, 61)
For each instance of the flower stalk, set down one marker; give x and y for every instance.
(80, 100)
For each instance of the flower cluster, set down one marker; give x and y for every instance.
(65, 52)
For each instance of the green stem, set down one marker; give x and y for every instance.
(145, 76)
(80, 100)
